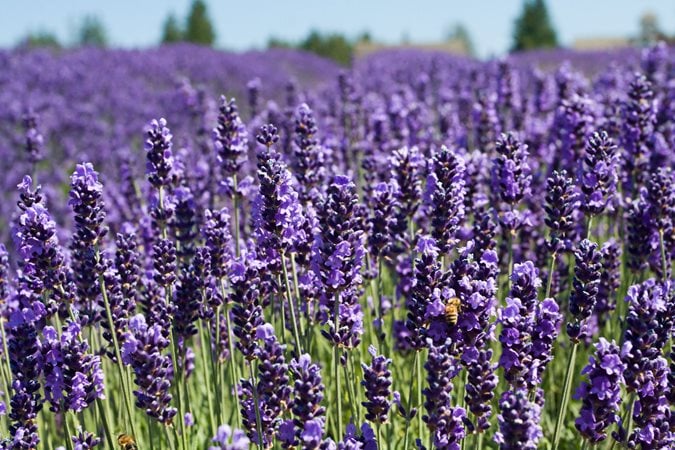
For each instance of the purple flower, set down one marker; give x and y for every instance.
(610, 280)
(34, 140)
(444, 197)
(519, 421)
(73, 378)
(272, 389)
(585, 288)
(648, 324)
(308, 154)
(561, 201)
(639, 229)
(230, 138)
(652, 413)
(228, 439)
(308, 414)
(160, 161)
(377, 383)
(88, 207)
(601, 395)
(142, 350)
(406, 164)
(217, 237)
(639, 116)
(85, 440)
(481, 384)
(444, 420)
(277, 214)
(511, 178)
(425, 290)
(382, 223)
(545, 330)
(598, 176)
(247, 313)
(26, 365)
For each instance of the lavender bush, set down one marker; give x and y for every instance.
(202, 250)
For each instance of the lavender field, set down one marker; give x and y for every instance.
(206, 250)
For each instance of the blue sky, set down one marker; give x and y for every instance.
(241, 25)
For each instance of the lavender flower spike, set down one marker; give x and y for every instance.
(601, 395)
(377, 383)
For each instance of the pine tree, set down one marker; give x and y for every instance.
(199, 29)
(171, 31)
(92, 33)
(533, 29)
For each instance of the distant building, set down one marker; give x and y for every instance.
(454, 46)
(601, 43)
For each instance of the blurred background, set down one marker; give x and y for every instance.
(341, 30)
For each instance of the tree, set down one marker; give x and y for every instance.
(275, 42)
(333, 46)
(650, 31)
(533, 29)
(199, 29)
(460, 33)
(171, 31)
(43, 39)
(92, 33)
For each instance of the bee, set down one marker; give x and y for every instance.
(126, 442)
(452, 309)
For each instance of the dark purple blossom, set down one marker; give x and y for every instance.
(601, 395)
(585, 288)
(230, 138)
(519, 421)
(639, 115)
(598, 176)
(308, 153)
(34, 142)
(561, 202)
(143, 350)
(228, 439)
(377, 383)
(73, 378)
(160, 160)
(444, 197)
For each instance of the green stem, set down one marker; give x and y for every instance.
(631, 407)
(551, 270)
(420, 423)
(235, 216)
(410, 394)
(69, 434)
(207, 378)
(178, 374)
(233, 364)
(258, 420)
(350, 392)
(664, 261)
(566, 395)
(126, 390)
(106, 423)
(291, 305)
(338, 393)
(150, 433)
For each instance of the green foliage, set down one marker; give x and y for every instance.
(333, 46)
(42, 39)
(92, 33)
(171, 31)
(199, 29)
(274, 42)
(460, 33)
(534, 29)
